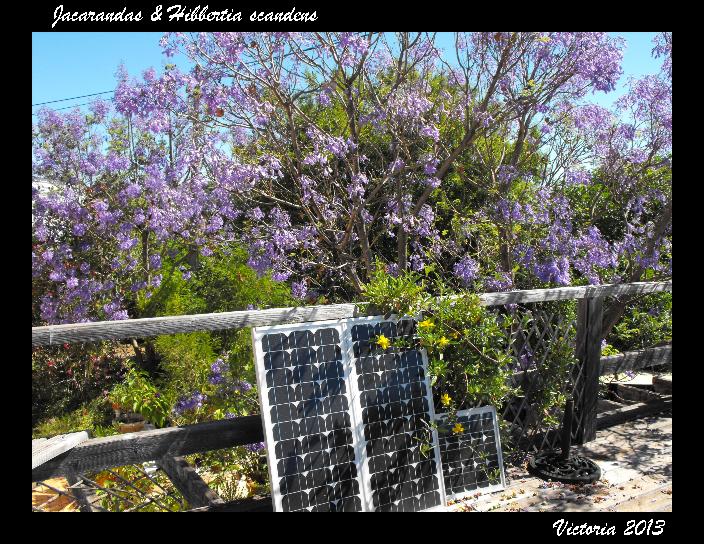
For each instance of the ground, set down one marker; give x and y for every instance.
(636, 464)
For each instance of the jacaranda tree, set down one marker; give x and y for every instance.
(323, 152)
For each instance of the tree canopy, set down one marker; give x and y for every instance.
(321, 153)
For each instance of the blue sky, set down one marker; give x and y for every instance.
(70, 64)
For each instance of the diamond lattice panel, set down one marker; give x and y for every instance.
(532, 347)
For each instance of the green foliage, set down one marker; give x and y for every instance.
(185, 361)
(67, 377)
(608, 349)
(646, 323)
(469, 347)
(222, 283)
(403, 295)
(94, 416)
(466, 350)
(138, 394)
(226, 283)
(466, 345)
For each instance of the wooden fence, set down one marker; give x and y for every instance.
(168, 445)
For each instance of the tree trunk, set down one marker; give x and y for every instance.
(152, 356)
(137, 353)
(147, 360)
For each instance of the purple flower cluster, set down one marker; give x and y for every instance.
(243, 386)
(509, 211)
(467, 270)
(254, 448)
(218, 372)
(526, 359)
(299, 289)
(189, 403)
(305, 200)
(506, 174)
(501, 281)
(555, 271)
(577, 177)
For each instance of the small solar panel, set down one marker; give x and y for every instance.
(471, 459)
(303, 391)
(394, 411)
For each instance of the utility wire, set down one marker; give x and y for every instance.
(73, 98)
(106, 92)
(67, 107)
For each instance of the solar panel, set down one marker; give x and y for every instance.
(303, 392)
(394, 411)
(471, 459)
(347, 424)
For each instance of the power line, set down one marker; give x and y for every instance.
(67, 107)
(73, 98)
(106, 92)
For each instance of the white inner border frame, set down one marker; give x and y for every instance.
(361, 449)
(482, 490)
(257, 334)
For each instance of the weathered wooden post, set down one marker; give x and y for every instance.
(84, 496)
(590, 313)
(188, 482)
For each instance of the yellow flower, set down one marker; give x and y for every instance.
(443, 342)
(383, 341)
(544, 39)
(427, 324)
(458, 428)
(445, 399)
(455, 335)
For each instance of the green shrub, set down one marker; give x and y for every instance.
(94, 417)
(138, 394)
(647, 322)
(466, 345)
(67, 377)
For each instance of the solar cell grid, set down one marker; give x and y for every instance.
(312, 460)
(347, 424)
(394, 412)
(471, 459)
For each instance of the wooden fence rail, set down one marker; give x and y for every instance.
(168, 446)
(632, 360)
(155, 326)
(98, 454)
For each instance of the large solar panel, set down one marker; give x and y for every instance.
(394, 413)
(347, 424)
(471, 459)
(307, 419)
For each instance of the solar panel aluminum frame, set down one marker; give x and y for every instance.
(483, 490)
(357, 413)
(257, 334)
